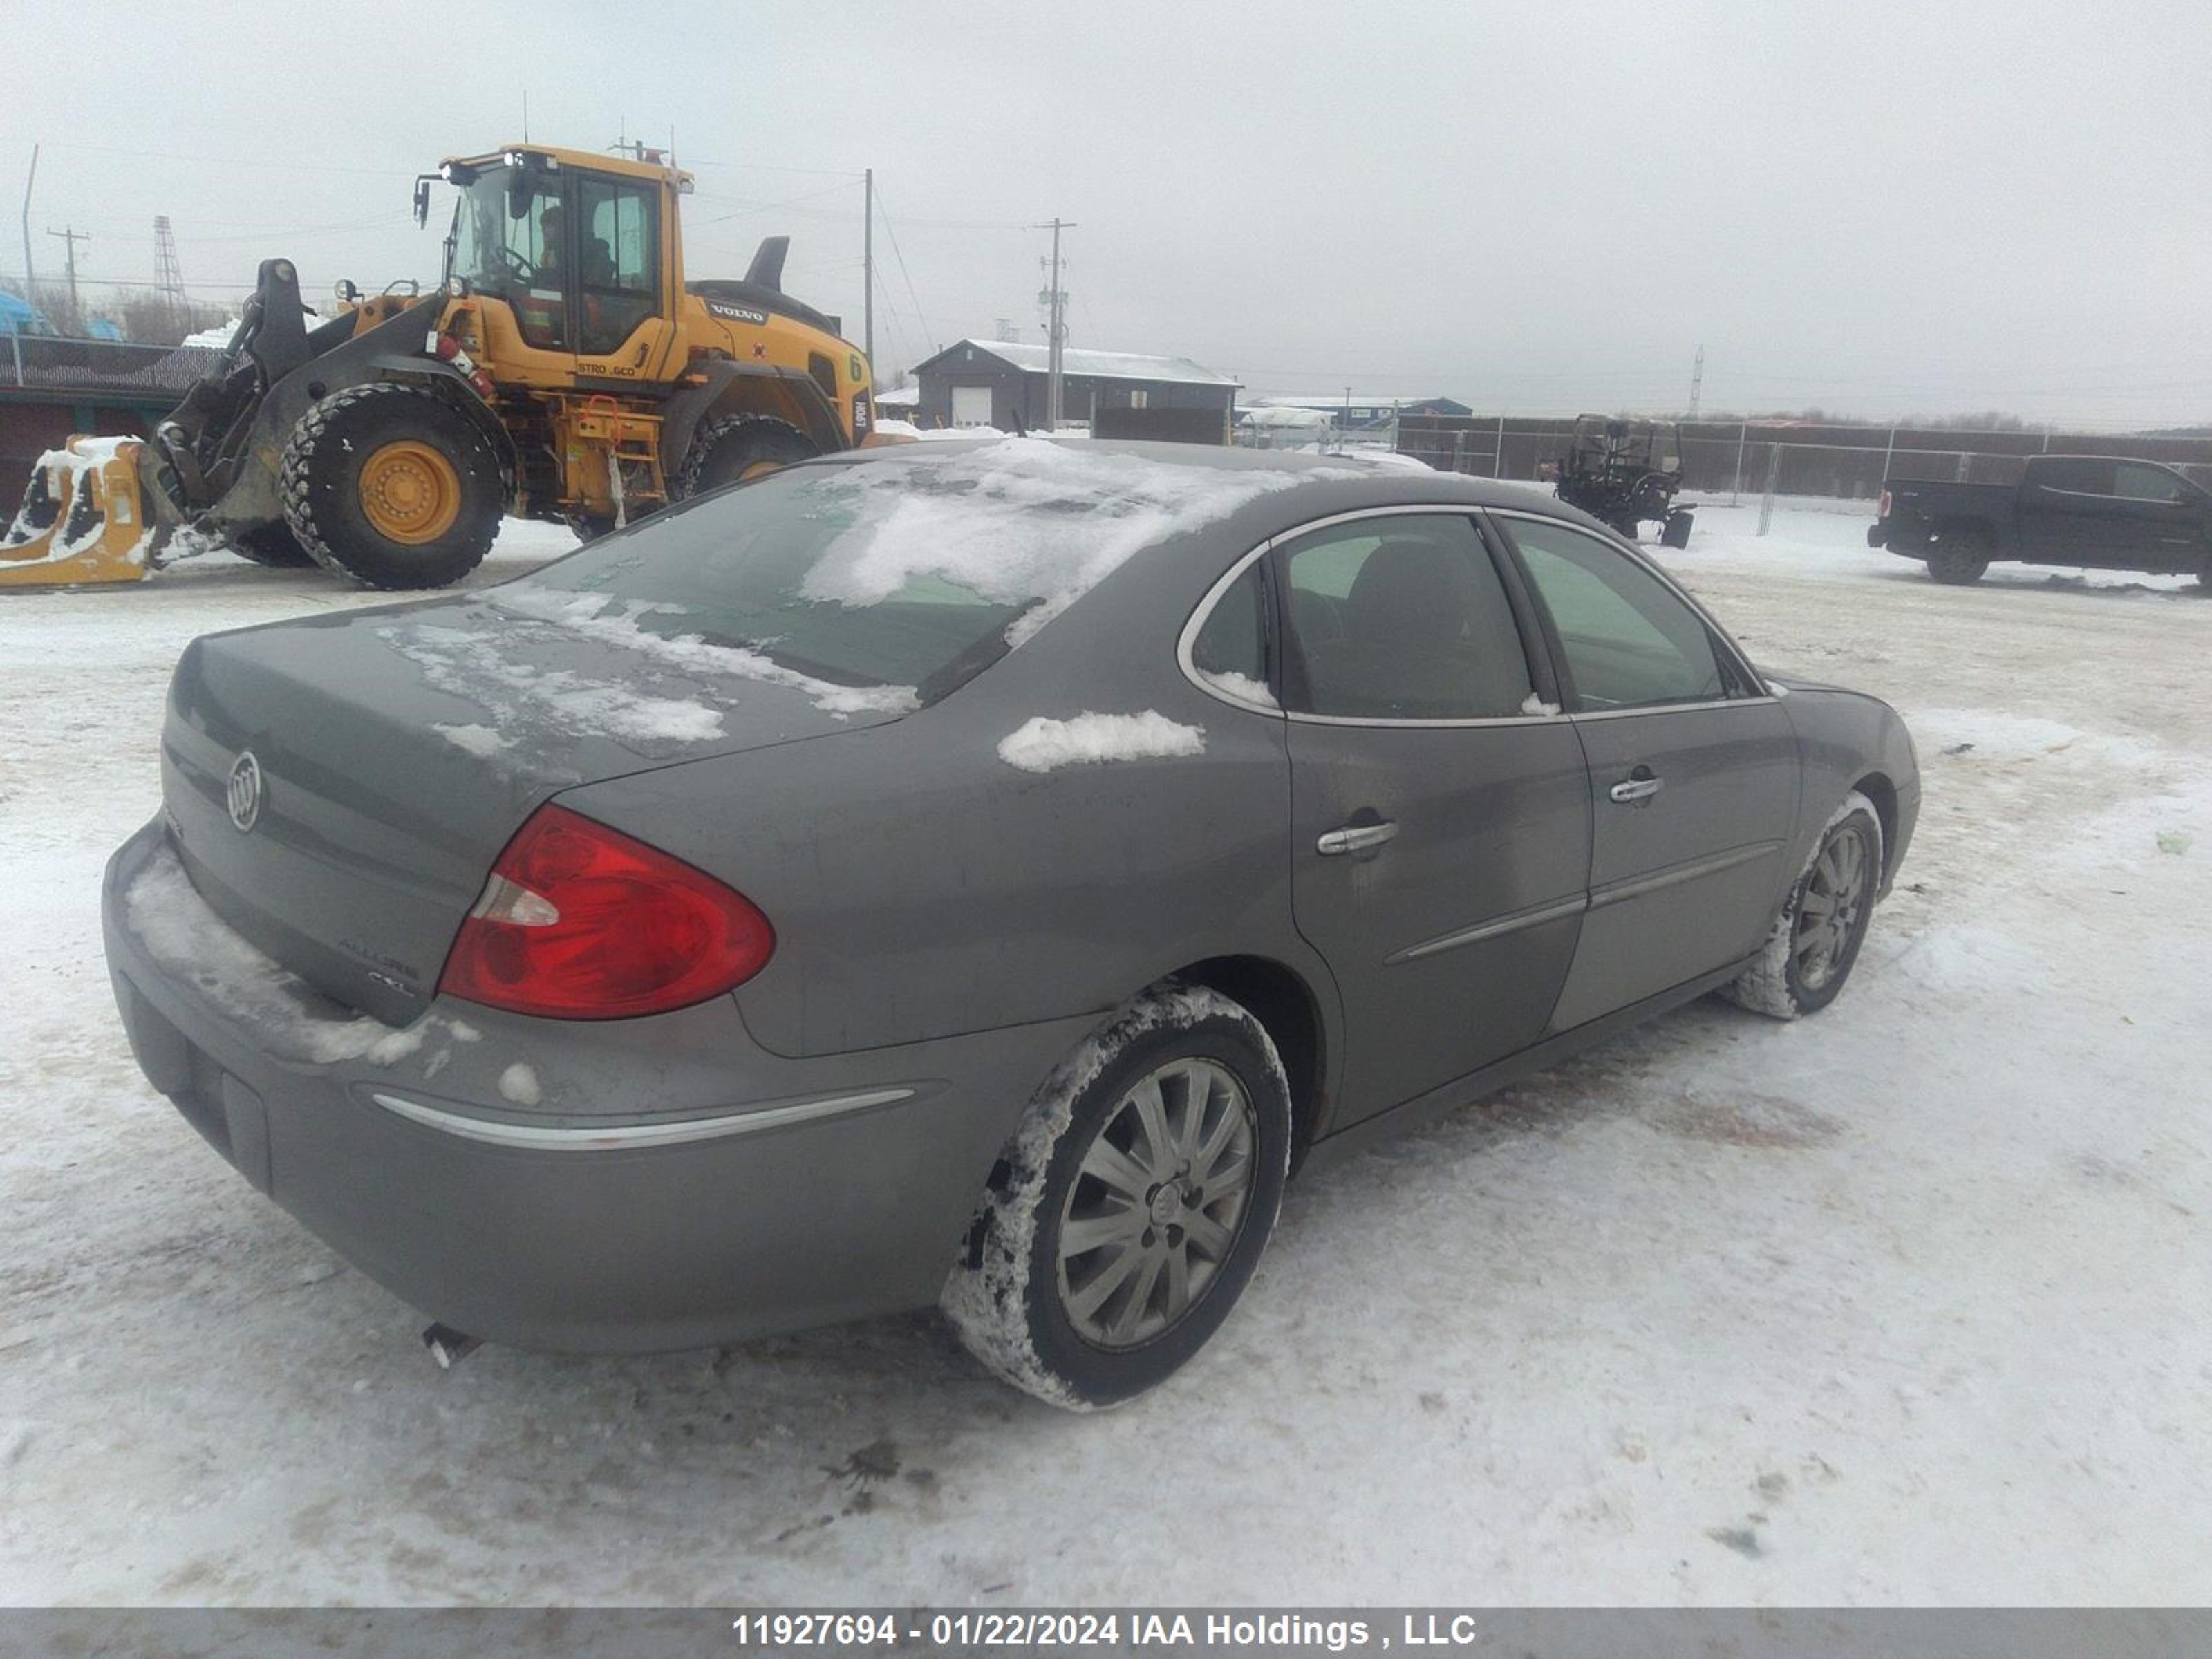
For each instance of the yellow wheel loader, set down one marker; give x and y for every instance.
(564, 369)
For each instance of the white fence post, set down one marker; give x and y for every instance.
(1773, 472)
(1886, 454)
(1735, 489)
(1498, 452)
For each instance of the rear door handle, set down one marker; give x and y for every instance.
(1639, 785)
(1354, 838)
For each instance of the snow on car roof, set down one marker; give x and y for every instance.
(1034, 522)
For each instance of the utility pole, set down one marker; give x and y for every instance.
(1697, 381)
(30, 275)
(1057, 334)
(71, 237)
(868, 269)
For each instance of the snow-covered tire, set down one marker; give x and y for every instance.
(272, 544)
(1017, 1295)
(1797, 972)
(327, 491)
(726, 450)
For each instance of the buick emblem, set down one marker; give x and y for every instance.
(244, 792)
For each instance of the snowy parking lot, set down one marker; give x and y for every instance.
(1905, 1303)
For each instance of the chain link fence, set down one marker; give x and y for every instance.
(1759, 459)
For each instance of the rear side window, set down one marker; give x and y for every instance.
(1629, 641)
(2078, 476)
(1403, 619)
(1231, 647)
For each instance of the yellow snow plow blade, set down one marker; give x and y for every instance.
(83, 519)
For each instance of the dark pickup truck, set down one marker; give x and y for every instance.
(2099, 511)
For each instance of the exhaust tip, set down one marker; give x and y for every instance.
(449, 1346)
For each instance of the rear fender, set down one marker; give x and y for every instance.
(736, 388)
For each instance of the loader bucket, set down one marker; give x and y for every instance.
(83, 520)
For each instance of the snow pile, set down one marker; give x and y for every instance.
(1041, 745)
(1023, 521)
(189, 941)
(519, 697)
(908, 429)
(586, 614)
(214, 339)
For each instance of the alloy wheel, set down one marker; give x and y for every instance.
(1156, 1205)
(1828, 913)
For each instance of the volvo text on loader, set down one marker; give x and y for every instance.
(564, 369)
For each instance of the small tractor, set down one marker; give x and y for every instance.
(564, 369)
(1627, 472)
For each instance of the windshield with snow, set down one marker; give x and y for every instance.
(890, 572)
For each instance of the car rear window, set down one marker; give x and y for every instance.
(892, 573)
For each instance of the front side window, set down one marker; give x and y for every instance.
(1629, 641)
(1402, 617)
(2145, 483)
(511, 257)
(617, 247)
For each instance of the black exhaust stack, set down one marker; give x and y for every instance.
(767, 263)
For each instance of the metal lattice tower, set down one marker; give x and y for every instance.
(168, 276)
(1697, 381)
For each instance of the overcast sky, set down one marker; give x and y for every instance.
(1926, 209)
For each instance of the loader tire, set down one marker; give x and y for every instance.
(272, 544)
(735, 448)
(391, 487)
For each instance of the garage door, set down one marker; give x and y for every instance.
(971, 405)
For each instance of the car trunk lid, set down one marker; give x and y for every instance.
(395, 752)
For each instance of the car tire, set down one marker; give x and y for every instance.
(1810, 950)
(1088, 1278)
(272, 544)
(736, 447)
(1959, 559)
(393, 486)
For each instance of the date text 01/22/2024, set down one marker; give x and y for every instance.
(1011, 1628)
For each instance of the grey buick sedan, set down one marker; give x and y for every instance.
(973, 873)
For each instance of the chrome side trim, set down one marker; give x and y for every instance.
(1675, 875)
(1715, 704)
(612, 1137)
(1496, 927)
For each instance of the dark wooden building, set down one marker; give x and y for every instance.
(1001, 383)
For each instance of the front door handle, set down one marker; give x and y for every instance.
(1354, 838)
(1639, 785)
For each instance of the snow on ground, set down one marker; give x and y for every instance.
(1905, 1303)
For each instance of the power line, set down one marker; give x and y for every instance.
(920, 318)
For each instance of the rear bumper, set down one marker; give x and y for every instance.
(592, 1187)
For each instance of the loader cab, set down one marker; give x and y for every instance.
(576, 260)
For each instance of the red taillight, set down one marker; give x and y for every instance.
(1884, 513)
(579, 921)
